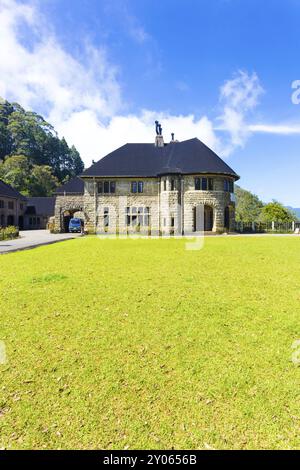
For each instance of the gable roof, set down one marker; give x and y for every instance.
(7, 190)
(147, 160)
(74, 186)
(40, 206)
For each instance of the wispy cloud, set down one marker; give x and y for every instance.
(45, 76)
(279, 129)
(239, 96)
(83, 98)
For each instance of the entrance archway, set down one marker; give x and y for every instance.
(67, 215)
(203, 218)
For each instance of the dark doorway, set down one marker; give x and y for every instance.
(203, 218)
(208, 218)
(21, 222)
(227, 218)
(66, 220)
(10, 220)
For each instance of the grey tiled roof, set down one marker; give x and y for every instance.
(146, 160)
(8, 191)
(74, 186)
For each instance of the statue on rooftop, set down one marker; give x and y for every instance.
(158, 128)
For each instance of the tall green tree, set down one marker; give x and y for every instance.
(248, 206)
(42, 182)
(15, 170)
(27, 134)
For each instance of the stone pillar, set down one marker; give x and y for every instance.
(219, 214)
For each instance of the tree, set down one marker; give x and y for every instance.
(276, 212)
(248, 206)
(42, 182)
(15, 170)
(27, 134)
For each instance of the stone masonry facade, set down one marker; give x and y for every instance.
(167, 204)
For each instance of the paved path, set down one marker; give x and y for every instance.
(32, 238)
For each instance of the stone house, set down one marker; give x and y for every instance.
(12, 206)
(179, 187)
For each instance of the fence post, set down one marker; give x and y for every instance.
(273, 226)
(293, 226)
(253, 226)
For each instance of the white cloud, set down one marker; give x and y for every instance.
(45, 76)
(279, 129)
(96, 140)
(82, 98)
(238, 96)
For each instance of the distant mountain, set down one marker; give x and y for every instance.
(296, 211)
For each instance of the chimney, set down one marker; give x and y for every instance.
(159, 140)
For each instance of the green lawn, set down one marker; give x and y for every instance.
(120, 344)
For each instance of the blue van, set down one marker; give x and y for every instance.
(75, 225)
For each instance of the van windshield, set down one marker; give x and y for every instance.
(75, 221)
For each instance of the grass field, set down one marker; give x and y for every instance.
(120, 344)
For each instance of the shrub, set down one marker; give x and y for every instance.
(9, 232)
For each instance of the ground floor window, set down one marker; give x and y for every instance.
(106, 217)
(138, 216)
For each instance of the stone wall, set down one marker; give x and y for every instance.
(67, 203)
(170, 210)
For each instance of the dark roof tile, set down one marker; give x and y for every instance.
(40, 206)
(74, 186)
(8, 191)
(147, 160)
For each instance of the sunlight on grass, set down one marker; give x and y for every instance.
(142, 344)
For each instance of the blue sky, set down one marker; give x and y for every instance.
(221, 70)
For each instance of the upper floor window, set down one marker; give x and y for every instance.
(11, 204)
(228, 186)
(203, 184)
(173, 185)
(1, 204)
(106, 187)
(137, 186)
(165, 185)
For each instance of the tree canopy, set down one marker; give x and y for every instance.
(27, 141)
(276, 212)
(248, 206)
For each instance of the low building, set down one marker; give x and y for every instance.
(12, 206)
(179, 187)
(38, 212)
